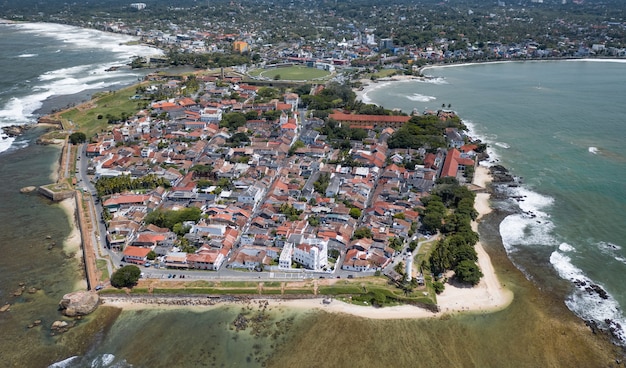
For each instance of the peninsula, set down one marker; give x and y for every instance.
(203, 193)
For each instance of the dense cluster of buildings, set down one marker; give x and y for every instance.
(266, 203)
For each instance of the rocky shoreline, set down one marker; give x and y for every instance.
(502, 181)
(13, 131)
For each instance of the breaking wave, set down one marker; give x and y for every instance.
(421, 98)
(589, 300)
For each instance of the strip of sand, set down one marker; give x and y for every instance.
(72, 244)
(73, 241)
(367, 85)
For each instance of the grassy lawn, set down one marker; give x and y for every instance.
(101, 264)
(383, 73)
(357, 291)
(291, 73)
(422, 255)
(90, 118)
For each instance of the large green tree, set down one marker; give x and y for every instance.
(77, 137)
(126, 276)
(468, 272)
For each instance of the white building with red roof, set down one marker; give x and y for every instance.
(137, 255)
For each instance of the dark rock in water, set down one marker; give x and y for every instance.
(14, 130)
(593, 288)
(593, 325)
(500, 174)
(79, 303)
(28, 189)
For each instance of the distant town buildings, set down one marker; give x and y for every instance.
(138, 6)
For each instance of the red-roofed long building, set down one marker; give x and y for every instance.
(370, 121)
(454, 163)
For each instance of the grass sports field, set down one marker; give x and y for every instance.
(290, 73)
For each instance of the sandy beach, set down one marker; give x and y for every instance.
(73, 240)
(489, 294)
(368, 85)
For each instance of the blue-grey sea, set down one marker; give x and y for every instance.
(561, 127)
(44, 66)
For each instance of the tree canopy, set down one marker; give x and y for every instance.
(126, 276)
(450, 210)
(423, 131)
(169, 219)
(119, 184)
(77, 138)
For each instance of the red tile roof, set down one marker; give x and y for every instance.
(137, 252)
(339, 116)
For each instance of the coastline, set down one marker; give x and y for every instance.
(367, 85)
(73, 243)
(489, 294)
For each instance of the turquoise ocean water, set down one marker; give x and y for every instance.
(561, 126)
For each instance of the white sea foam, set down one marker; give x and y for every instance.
(90, 39)
(27, 55)
(20, 110)
(522, 230)
(386, 83)
(489, 139)
(72, 80)
(611, 250)
(608, 246)
(431, 80)
(98, 361)
(593, 150)
(564, 247)
(421, 98)
(533, 227)
(503, 145)
(587, 303)
(65, 363)
(6, 142)
(532, 202)
(373, 87)
(619, 61)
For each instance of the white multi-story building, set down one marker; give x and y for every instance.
(312, 253)
(284, 261)
(210, 115)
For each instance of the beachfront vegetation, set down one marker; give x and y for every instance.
(450, 210)
(126, 276)
(91, 118)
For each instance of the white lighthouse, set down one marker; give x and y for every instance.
(409, 267)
